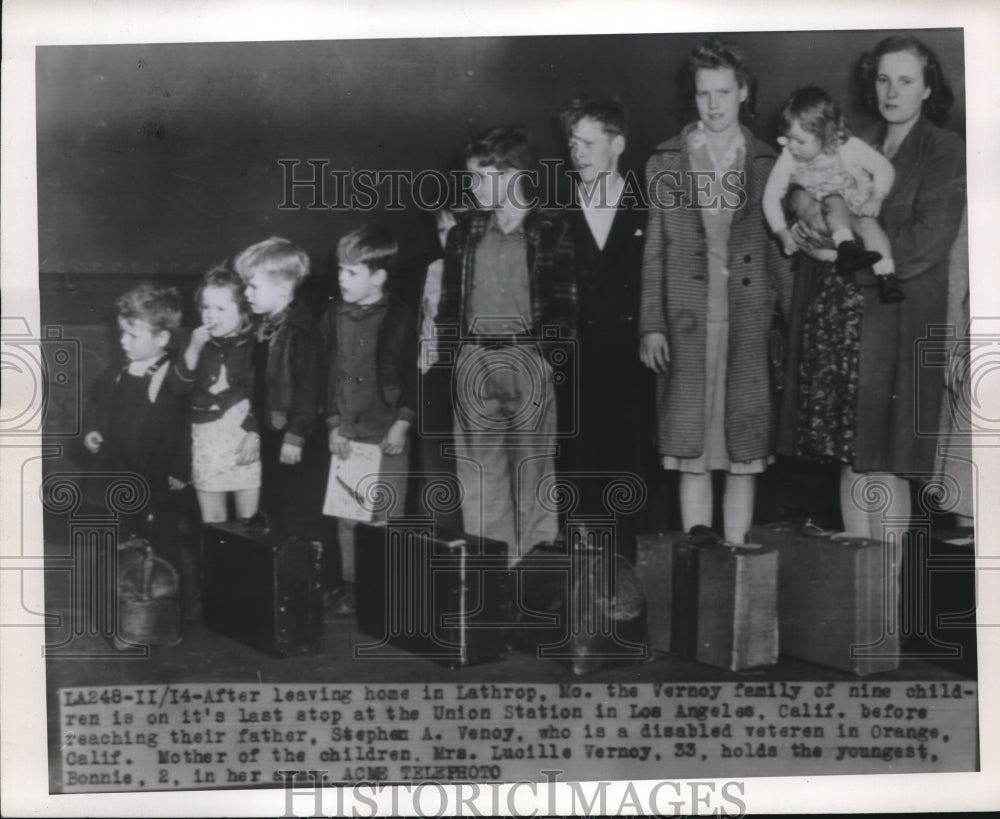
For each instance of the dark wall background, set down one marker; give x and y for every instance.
(158, 160)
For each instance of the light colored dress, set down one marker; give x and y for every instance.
(214, 445)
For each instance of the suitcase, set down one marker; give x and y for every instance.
(580, 603)
(654, 564)
(724, 599)
(739, 629)
(262, 587)
(938, 611)
(436, 593)
(832, 598)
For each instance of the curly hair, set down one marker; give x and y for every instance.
(159, 307)
(713, 55)
(938, 103)
(223, 277)
(817, 113)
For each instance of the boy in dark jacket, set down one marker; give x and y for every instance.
(137, 425)
(287, 396)
(371, 372)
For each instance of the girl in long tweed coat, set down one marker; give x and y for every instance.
(711, 276)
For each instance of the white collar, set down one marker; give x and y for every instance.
(606, 195)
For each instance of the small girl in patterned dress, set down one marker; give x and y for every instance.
(845, 174)
(217, 370)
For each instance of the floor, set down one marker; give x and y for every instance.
(788, 490)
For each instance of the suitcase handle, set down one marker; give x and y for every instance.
(811, 529)
(149, 560)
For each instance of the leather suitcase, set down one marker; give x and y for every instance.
(262, 587)
(833, 597)
(724, 599)
(738, 630)
(438, 594)
(580, 603)
(938, 611)
(654, 564)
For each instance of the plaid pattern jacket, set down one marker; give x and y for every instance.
(675, 303)
(552, 273)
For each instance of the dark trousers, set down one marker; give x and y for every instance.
(612, 439)
(291, 495)
(433, 483)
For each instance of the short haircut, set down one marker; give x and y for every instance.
(937, 105)
(275, 257)
(817, 113)
(370, 245)
(610, 114)
(503, 147)
(713, 55)
(223, 277)
(159, 307)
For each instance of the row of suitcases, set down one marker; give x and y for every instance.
(451, 597)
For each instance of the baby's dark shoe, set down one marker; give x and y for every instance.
(851, 257)
(888, 289)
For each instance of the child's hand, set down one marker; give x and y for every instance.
(175, 484)
(249, 449)
(395, 438)
(870, 208)
(199, 336)
(339, 445)
(290, 454)
(788, 243)
(92, 441)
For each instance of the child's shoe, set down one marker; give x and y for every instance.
(888, 289)
(851, 257)
(341, 600)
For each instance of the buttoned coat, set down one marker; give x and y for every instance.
(293, 399)
(675, 301)
(609, 281)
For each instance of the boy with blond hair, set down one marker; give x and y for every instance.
(287, 398)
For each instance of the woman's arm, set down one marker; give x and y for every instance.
(654, 259)
(654, 350)
(924, 238)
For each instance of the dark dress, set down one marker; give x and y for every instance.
(824, 384)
